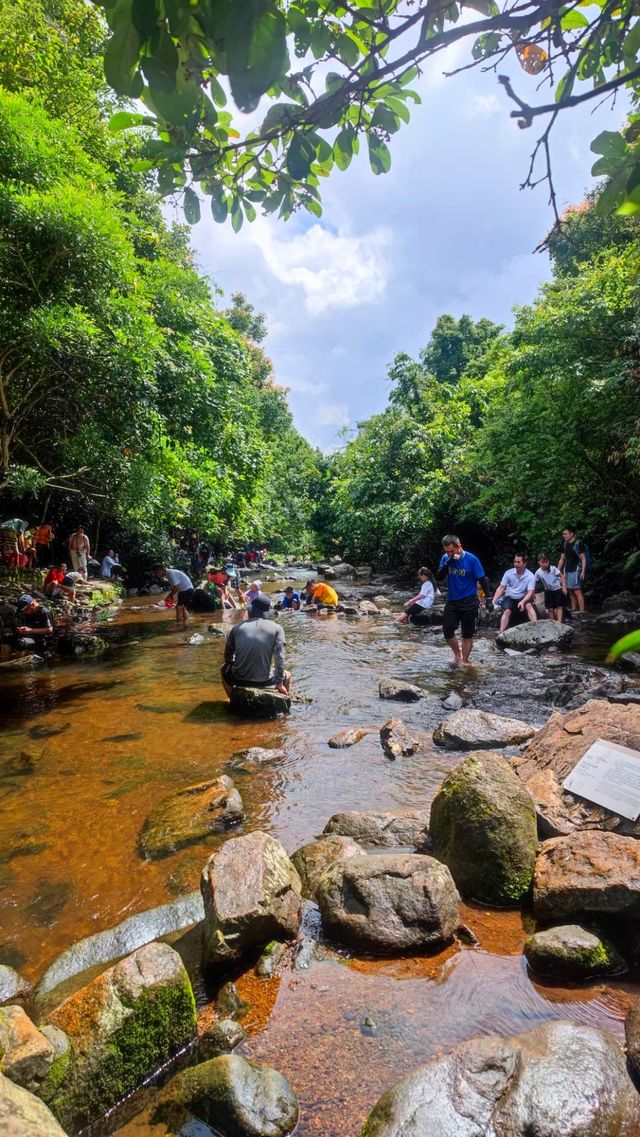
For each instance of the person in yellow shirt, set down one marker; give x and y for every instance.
(322, 595)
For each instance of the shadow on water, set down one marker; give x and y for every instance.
(117, 735)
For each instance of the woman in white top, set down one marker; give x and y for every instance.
(423, 600)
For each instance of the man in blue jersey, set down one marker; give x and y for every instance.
(462, 573)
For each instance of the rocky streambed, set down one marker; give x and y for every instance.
(390, 876)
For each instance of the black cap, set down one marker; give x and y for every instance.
(260, 606)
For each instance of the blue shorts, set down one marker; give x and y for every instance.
(574, 580)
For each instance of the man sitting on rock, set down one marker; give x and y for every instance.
(251, 647)
(34, 627)
(518, 586)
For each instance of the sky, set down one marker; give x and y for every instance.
(446, 230)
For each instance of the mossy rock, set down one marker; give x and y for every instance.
(483, 826)
(572, 952)
(120, 1028)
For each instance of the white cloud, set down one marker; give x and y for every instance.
(333, 270)
(484, 106)
(332, 414)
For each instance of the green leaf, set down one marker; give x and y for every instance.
(176, 106)
(611, 194)
(400, 109)
(249, 211)
(145, 16)
(313, 206)
(572, 20)
(348, 50)
(627, 643)
(565, 86)
(631, 45)
(379, 155)
(300, 155)
(160, 68)
(485, 7)
(385, 119)
(122, 120)
(121, 52)
(219, 208)
(256, 50)
(343, 147)
(236, 219)
(191, 206)
(610, 143)
(217, 92)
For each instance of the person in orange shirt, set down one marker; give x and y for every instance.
(44, 535)
(322, 594)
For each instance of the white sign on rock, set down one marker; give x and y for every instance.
(609, 775)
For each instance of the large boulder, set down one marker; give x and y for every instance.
(395, 902)
(312, 860)
(259, 702)
(382, 830)
(252, 894)
(116, 1031)
(23, 1115)
(590, 871)
(191, 815)
(237, 1097)
(343, 569)
(26, 1054)
(467, 729)
(554, 752)
(557, 1080)
(399, 690)
(542, 634)
(12, 985)
(572, 952)
(483, 826)
(632, 1035)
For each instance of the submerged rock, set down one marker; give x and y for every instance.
(397, 739)
(23, 663)
(120, 1028)
(453, 702)
(259, 702)
(382, 830)
(591, 871)
(572, 952)
(554, 752)
(12, 985)
(191, 815)
(469, 728)
(312, 860)
(400, 690)
(81, 645)
(390, 903)
(632, 1035)
(270, 960)
(543, 634)
(483, 826)
(220, 1038)
(239, 1098)
(23, 1115)
(254, 756)
(557, 1080)
(251, 894)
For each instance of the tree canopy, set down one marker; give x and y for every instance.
(335, 73)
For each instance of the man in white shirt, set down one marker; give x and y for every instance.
(111, 569)
(518, 587)
(181, 591)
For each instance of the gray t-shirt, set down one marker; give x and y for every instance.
(254, 644)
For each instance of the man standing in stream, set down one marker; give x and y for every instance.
(462, 573)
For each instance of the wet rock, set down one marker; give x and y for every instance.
(132, 933)
(304, 954)
(391, 903)
(399, 690)
(215, 630)
(191, 815)
(229, 1004)
(254, 756)
(48, 901)
(12, 985)
(626, 698)
(623, 601)
(397, 739)
(270, 960)
(348, 609)
(312, 860)
(220, 1038)
(382, 830)
(483, 826)
(259, 702)
(23, 1115)
(23, 663)
(196, 639)
(557, 1080)
(19, 766)
(251, 894)
(591, 871)
(368, 608)
(120, 1028)
(631, 660)
(554, 752)
(26, 1055)
(632, 1035)
(572, 952)
(81, 645)
(381, 601)
(468, 728)
(348, 737)
(363, 570)
(239, 1098)
(543, 634)
(48, 731)
(342, 569)
(453, 702)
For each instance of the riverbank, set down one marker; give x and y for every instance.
(88, 750)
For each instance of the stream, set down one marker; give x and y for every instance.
(87, 749)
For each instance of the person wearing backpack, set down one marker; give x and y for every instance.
(574, 563)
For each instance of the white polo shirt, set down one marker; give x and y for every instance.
(518, 585)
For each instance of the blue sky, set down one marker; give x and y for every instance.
(447, 230)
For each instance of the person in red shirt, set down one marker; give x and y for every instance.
(54, 584)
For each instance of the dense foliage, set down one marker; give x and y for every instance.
(336, 72)
(126, 394)
(509, 437)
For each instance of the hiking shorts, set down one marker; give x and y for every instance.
(574, 580)
(553, 598)
(460, 612)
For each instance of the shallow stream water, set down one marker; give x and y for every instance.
(86, 750)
